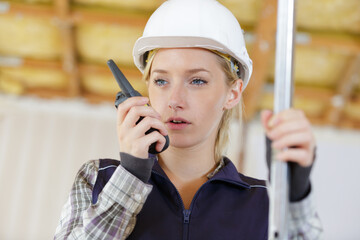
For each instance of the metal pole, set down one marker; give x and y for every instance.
(279, 174)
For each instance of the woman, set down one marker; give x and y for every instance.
(196, 66)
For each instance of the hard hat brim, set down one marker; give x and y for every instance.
(145, 44)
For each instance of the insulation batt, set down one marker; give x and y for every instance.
(333, 15)
(100, 42)
(320, 67)
(246, 11)
(352, 109)
(324, 15)
(312, 108)
(106, 85)
(131, 4)
(30, 37)
(10, 86)
(12, 78)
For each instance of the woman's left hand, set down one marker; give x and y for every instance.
(291, 134)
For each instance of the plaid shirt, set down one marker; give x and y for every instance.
(114, 214)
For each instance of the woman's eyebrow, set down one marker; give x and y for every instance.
(158, 71)
(196, 70)
(190, 71)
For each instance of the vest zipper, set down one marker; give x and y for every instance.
(186, 213)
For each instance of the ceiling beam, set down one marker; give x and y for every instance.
(261, 54)
(344, 91)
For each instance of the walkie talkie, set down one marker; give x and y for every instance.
(126, 92)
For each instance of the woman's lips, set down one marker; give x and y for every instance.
(177, 123)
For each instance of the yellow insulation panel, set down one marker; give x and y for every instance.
(106, 85)
(312, 108)
(317, 66)
(31, 37)
(99, 42)
(131, 4)
(10, 86)
(324, 15)
(18, 80)
(32, 1)
(352, 110)
(335, 15)
(246, 11)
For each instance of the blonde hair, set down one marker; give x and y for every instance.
(222, 137)
(231, 74)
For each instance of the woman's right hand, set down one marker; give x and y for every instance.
(132, 138)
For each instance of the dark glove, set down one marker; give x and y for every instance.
(139, 167)
(300, 185)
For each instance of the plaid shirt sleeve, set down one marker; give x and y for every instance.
(114, 214)
(304, 223)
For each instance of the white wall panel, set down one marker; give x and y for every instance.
(42, 145)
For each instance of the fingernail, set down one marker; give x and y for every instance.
(272, 122)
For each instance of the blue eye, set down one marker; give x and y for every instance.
(160, 82)
(198, 81)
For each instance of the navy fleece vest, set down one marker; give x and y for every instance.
(228, 206)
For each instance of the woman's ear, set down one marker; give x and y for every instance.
(234, 94)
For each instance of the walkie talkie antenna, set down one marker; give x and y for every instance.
(123, 83)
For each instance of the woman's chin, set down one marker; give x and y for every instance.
(185, 142)
(181, 142)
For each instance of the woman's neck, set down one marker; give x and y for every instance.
(187, 169)
(187, 164)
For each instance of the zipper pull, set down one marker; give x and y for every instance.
(186, 213)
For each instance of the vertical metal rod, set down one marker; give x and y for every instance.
(279, 182)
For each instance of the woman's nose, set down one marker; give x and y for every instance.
(177, 98)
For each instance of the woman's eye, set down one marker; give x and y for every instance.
(160, 82)
(198, 81)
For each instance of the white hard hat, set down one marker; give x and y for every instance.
(194, 23)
